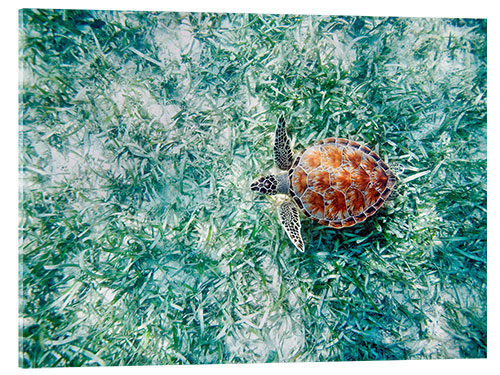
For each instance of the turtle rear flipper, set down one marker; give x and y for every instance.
(282, 151)
(290, 220)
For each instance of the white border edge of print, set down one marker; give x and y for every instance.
(425, 8)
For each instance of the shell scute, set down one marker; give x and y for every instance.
(379, 179)
(335, 205)
(365, 149)
(355, 145)
(370, 211)
(314, 204)
(311, 158)
(368, 164)
(327, 140)
(349, 222)
(355, 201)
(385, 194)
(361, 217)
(331, 157)
(352, 157)
(360, 179)
(299, 202)
(335, 224)
(375, 156)
(371, 195)
(341, 179)
(299, 181)
(319, 180)
(391, 182)
(379, 203)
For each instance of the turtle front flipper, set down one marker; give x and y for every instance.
(282, 150)
(290, 220)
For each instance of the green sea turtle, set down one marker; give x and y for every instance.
(334, 181)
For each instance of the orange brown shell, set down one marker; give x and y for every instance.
(339, 183)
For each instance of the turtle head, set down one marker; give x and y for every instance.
(265, 185)
(271, 184)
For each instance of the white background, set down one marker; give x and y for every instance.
(9, 179)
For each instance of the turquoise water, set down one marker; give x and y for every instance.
(140, 135)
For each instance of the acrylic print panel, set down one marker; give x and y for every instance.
(140, 240)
